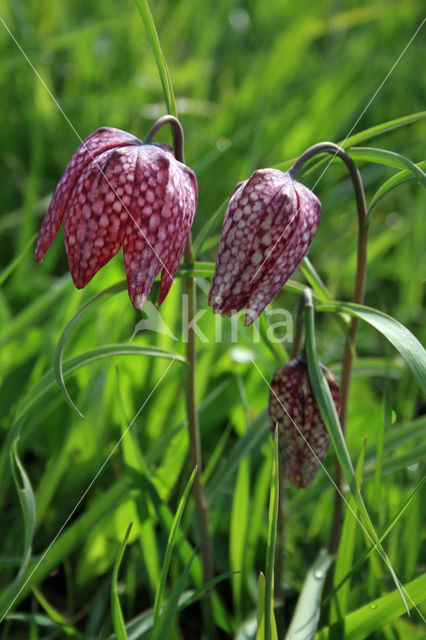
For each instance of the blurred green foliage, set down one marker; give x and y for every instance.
(255, 83)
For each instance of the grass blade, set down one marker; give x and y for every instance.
(54, 615)
(27, 503)
(345, 551)
(390, 184)
(170, 546)
(116, 613)
(162, 628)
(305, 618)
(5, 273)
(331, 420)
(260, 634)
(398, 335)
(49, 379)
(160, 60)
(270, 626)
(375, 615)
(390, 159)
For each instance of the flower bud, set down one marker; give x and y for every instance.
(303, 439)
(117, 191)
(269, 225)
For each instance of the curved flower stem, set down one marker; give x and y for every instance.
(358, 297)
(177, 133)
(190, 393)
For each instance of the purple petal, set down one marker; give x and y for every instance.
(97, 217)
(94, 145)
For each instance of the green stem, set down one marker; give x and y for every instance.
(190, 390)
(358, 297)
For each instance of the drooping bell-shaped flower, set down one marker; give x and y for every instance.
(118, 191)
(269, 225)
(303, 439)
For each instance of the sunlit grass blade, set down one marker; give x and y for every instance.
(306, 615)
(115, 288)
(260, 634)
(72, 537)
(27, 504)
(314, 280)
(397, 334)
(360, 624)
(169, 98)
(238, 533)
(344, 559)
(34, 312)
(67, 629)
(116, 612)
(171, 608)
(394, 181)
(212, 223)
(231, 461)
(49, 379)
(383, 127)
(331, 420)
(360, 561)
(270, 625)
(5, 273)
(390, 159)
(170, 546)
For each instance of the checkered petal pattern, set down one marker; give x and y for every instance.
(269, 226)
(119, 192)
(303, 439)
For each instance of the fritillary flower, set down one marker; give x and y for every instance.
(303, 439)
(269, 226)
(118, 191)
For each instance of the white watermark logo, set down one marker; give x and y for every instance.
(278, 330)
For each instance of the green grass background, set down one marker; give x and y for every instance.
(255, 83)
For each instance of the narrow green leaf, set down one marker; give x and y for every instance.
(260, 634)
(359, 624)
(390, 184)
(160, 60)
(331, 420)
(205, 230)
(238, 533)
(116, 612)
(398, 335)
(383, 127)
(163, 626)
(344, 559)
(115, 288)
(196, 270)
(71, 537)
(270, 626)
(390, 159)
(360, 561)
(10, 268)
(66, 628)
(27, 504)
(48, 380)
(314, 280)
(170, 546)
(306, 615)
(252, 438)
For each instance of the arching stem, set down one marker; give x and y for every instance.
(177, 133)
(358, 298)
(190, 391)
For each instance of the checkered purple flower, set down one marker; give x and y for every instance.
(117, 191)
(269, 226)
(303, 439)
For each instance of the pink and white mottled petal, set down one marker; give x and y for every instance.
(244, 214)
(186, 197)
(94, 145)
(146, 243)
(142, 267)
(97, 218)
(303, 438)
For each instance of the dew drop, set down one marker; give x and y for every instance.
(373, 606)
(319, 575)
